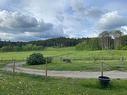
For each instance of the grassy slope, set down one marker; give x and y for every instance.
(30, 85)
(66, 52)
(72, 53)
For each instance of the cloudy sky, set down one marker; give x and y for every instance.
(26, 20)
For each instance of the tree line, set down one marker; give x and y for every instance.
(39, 45)
(105, 40)
(58, 42)
(27, 47)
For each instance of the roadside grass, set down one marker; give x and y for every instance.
(22, 84)
(3, 63)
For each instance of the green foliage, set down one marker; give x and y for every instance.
(104, 34)
(27, 47)
(123, 48)
(123, 40)
(30, 47)
(6, 48)
(58, 42)
(38, 45)
(123, 45)
(108, 40)
(89, 44)
(35, 59)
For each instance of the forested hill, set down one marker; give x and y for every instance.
(98, 43)
(55, 42)
(58, 42)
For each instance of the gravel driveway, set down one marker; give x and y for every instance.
(67, 74)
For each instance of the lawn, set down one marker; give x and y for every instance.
(22, 84)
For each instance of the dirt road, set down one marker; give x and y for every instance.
(67, 74)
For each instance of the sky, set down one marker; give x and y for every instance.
(27, 20)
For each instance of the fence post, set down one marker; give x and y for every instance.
(46, 68)
(122, 60)
(102, 69)
(61, 60)
(94, 60)
(0, 60)
(13, 66)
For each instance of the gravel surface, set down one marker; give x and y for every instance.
(67, 74)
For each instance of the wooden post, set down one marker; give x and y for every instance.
(122, 60)
(46, 69)
(61, 60)
(0, 60)
(102, 69)
(13, 67)
(94, 60)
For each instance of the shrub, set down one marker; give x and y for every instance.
(35, 59)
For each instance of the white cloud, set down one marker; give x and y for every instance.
(58, 13)
(40, 19)
(17, 37)
(14, 24)
(112, 20)
(124, 29)
(14, 21)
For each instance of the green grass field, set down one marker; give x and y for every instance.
(64, 52)
(71, 53)
(22, 84)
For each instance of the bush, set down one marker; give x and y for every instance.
(35, 59)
